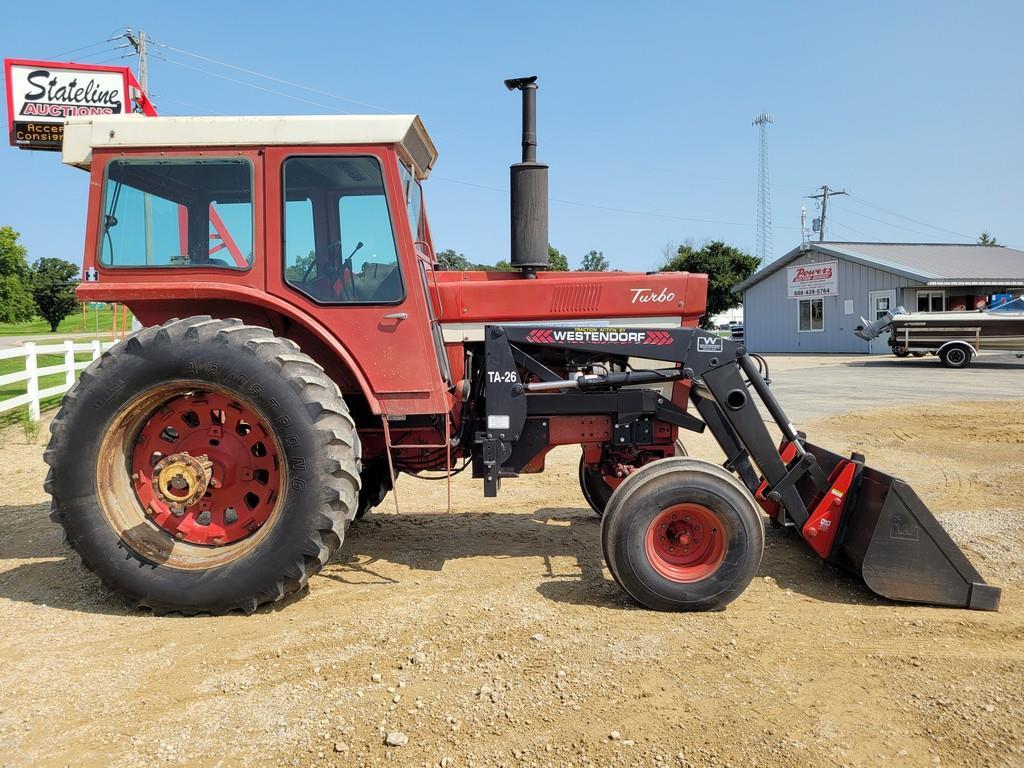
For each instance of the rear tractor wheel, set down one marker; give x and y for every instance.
(682, 535)
(204, 466)
(596, 488)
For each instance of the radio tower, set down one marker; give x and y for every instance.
(764, 193)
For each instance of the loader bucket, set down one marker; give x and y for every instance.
(888, 537)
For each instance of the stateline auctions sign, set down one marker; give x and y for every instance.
(809, 280)
(41, 94)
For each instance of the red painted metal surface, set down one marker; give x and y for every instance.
(245, 475)
(685, 543)
(488, 297)
(820, 528)
(389, 361)
(788, 453)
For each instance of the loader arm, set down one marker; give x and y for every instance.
(853, 516)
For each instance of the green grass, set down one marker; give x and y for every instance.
(74, 323)
(21, 387)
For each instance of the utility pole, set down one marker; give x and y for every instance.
(824, 195)
(138, 42)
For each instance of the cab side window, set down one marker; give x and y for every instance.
(339, 246)
(177, 213)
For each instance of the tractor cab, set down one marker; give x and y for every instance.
(313, 226)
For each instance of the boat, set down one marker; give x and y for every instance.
(956, 337)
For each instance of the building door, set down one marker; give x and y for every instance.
(880, 302)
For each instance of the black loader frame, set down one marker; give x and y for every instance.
(853, 516)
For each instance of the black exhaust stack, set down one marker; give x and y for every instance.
(529, 190)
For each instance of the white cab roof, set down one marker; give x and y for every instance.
(406, 132)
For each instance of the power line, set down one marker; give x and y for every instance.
(82, 48)
(251, 85)
(607, 207)
(897, 226)
(272, 78)
(862, 201)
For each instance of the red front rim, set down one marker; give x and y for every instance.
(244, 471)
(685, 543)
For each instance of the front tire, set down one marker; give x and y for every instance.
(682, 535)
(265, 423)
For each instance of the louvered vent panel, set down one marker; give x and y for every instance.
(571, 299)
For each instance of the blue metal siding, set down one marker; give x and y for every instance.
(770, 318)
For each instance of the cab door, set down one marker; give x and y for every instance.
(339, 247)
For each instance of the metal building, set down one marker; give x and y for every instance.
(811, 299)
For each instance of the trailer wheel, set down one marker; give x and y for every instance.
(596, 489)
(956, 355)
(376, 482)
(203, 466)
(682, 535)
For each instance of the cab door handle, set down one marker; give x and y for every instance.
(397, 316)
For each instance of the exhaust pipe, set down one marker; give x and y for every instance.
(529, 190)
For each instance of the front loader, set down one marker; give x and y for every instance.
(303, 346)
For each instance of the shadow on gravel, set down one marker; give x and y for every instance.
(427, 542)
(567, 539)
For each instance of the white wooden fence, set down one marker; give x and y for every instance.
(32, 373)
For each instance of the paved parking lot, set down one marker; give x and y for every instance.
(816, 386)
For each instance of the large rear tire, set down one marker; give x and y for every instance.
(682, 535)
(376, 482)
(204, 466)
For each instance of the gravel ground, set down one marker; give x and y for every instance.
(494, 636)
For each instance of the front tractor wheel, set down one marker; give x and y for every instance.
(204, 466)
(682, 535)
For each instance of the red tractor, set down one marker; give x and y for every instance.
(302, 346)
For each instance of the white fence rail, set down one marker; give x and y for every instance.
(33, 372)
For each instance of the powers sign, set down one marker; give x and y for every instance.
(41, 94)
(820, 279)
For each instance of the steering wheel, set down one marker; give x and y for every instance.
(334, 270)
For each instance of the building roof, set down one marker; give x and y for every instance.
(939, 264)
(406, 132)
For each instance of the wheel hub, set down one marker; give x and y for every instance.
(685, 543)
(205, 469)
(181, 480)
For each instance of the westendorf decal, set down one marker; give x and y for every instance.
(598, 336)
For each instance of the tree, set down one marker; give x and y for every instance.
(53, 288)
(724, 265)
(595, 261)
(452, 261)
(986, 239)
(297, 271)
(16, 304)
(557, 262)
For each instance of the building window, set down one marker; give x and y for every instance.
(812, 315)
(931, 301)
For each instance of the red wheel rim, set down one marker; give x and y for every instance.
(685, 543)
(243, 468)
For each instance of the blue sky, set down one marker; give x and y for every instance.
(644, 110)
